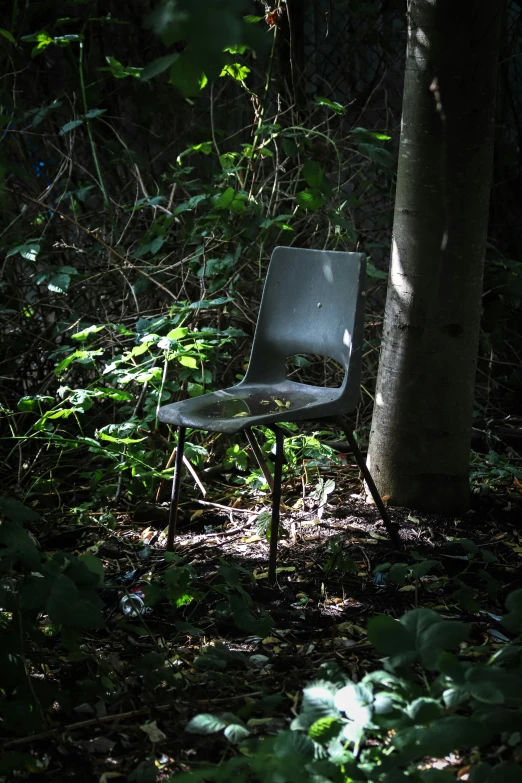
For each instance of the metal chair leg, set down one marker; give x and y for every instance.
(276, 502)
(173, 514)
(258, 454)
(392, 532)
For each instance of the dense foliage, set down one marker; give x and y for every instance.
(150, 160)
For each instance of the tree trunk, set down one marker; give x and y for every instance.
(421, 428)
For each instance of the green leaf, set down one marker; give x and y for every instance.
(16, 511)
(145, 772)
(374, 273)
(85, 333)
(437, 776)
(315, 177)
(95, 565)
(187, 75)
(447, 734)
(377, 154)
(195, 389)
(89, 115)
(29, 251)
(337, 107)
(236, 71)
(188, 361)
(313, 173)
(493, 685)
(178, 334)
(236, 733)
(33, 402)
(225, 199)
(390, 637)
(424, 710)
(294, 745)
(318, 702)
(158, 66)
(398, 573)
(59, 283)
(69, 126)
(356, 701)
(445, 635)
(7, 34)
(325, 729)
(205, 724)
(290, 148)
(310, 199)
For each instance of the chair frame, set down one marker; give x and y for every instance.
(275, 485)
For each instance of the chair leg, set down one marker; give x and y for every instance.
(392, 532)
(258, 454)
(173, 514)
(276, 501)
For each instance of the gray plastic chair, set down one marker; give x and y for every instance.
(313, 302)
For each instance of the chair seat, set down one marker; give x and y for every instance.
(247, 404)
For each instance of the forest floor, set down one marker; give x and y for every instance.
(326, 591)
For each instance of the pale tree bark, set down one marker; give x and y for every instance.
(421, 428)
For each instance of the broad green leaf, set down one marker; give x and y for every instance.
(59, 284)
(310, 199)
(94, 564)
(423, 568)
(445, 635)
(313, 173)
(187, 75)
(188, 361)
(195, 389)
(295, 746)
(158, 66)
(290, 148)
(178, 334)
(33, 402)
(29, 251)
(318, 702)
(16, 511)
(236, 732)
(424, 710)
(225, 199)
(390, 637)
(205, 724)
(356, 701)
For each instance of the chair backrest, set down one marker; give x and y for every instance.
(313, 302)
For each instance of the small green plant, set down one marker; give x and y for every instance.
(436, 695)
